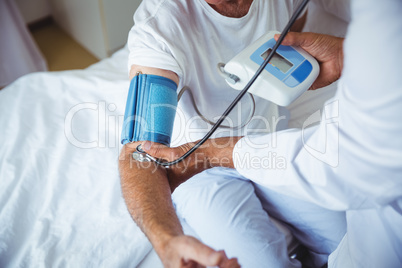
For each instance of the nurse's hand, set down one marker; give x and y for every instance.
(328, 50)
(213, 153)
(182, 171)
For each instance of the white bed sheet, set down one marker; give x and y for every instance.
(61, 205)
(60, 197)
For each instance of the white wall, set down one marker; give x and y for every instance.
(118, 19)
(33, 10)
(82, 20)
(101, 26)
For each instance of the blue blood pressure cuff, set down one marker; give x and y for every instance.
(150, 109)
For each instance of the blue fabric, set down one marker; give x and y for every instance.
(150, 109)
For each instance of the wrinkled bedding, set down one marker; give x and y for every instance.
(60, 198)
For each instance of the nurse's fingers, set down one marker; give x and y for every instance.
(315, 44)
(297, 39)
(328, 50)
(158, 150)
(320, 46)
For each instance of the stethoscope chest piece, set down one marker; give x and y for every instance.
(141, 156)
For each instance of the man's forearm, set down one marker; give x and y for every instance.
(147, 195)
(148, 198)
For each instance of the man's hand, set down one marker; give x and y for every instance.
(328, 50)
(213, 153)
(186, 251)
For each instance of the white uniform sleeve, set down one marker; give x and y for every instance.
(353, 159)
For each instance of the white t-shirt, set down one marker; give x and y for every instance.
(352, 161)
(190, 38)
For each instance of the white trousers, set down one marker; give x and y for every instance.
(227, 211)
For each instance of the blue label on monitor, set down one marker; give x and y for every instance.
(301, 73)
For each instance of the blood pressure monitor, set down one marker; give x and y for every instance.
(290, 72)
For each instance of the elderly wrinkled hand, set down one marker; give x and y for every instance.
(328, 50)
(188, 252)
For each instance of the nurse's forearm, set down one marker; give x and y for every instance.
(219, 151)
(148, 198)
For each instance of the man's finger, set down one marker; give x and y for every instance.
(190, 264)
(232, 263)
(202, 254)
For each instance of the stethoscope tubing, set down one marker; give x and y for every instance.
(236, 100)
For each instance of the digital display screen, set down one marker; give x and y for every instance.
(278, 61)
